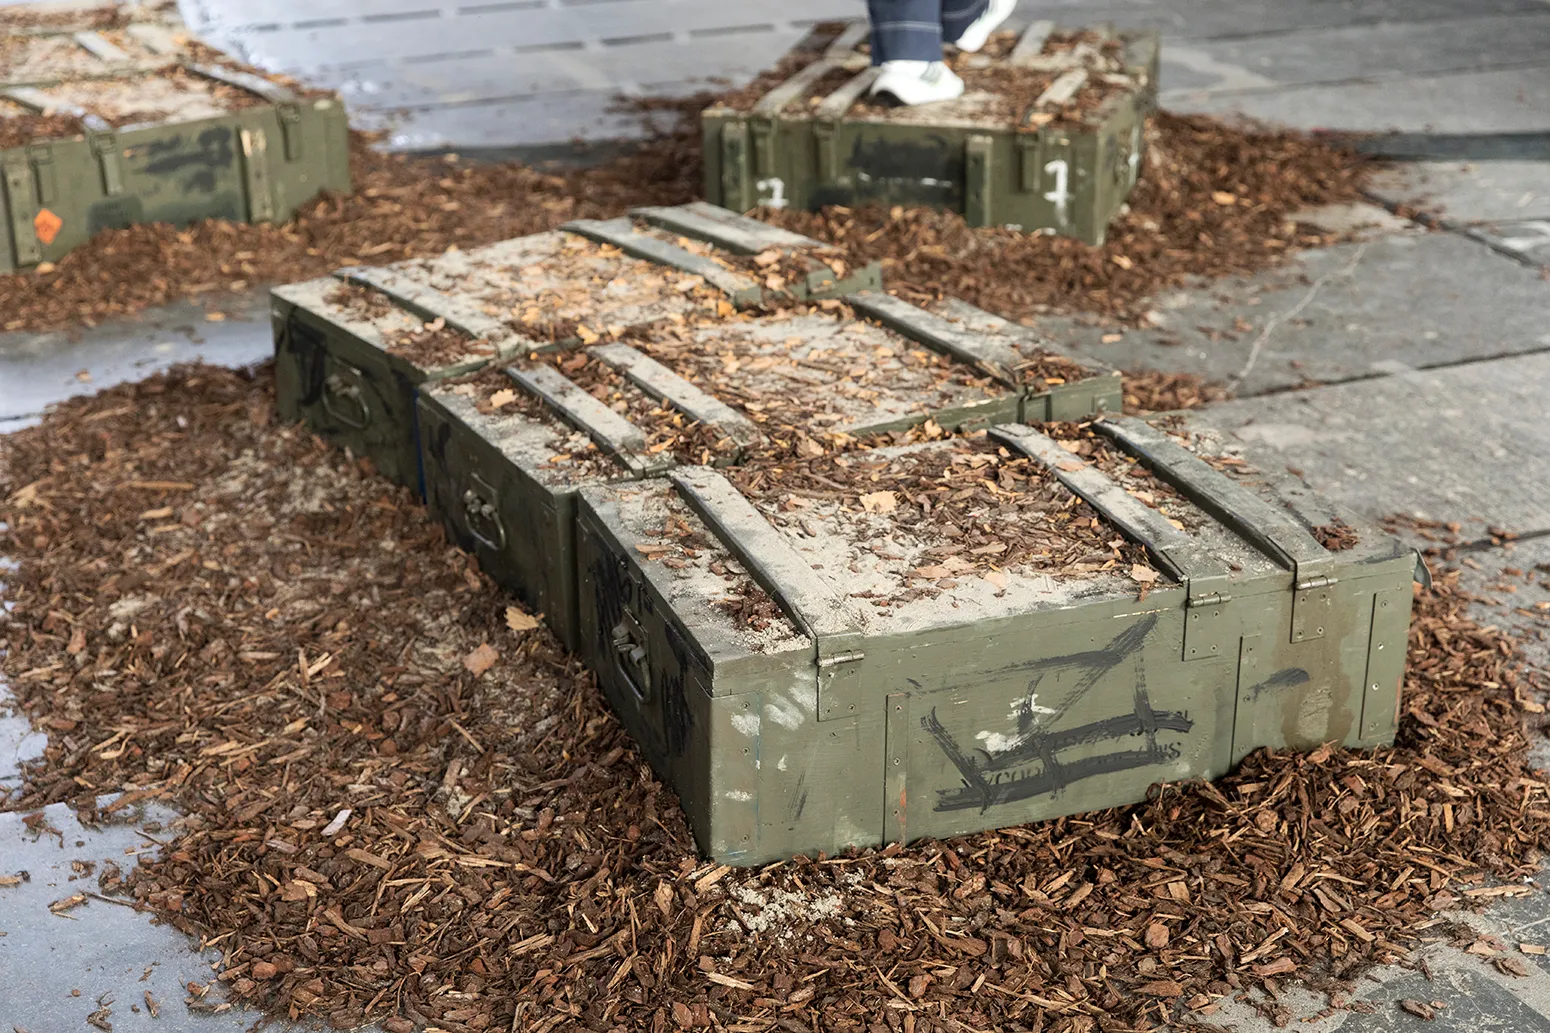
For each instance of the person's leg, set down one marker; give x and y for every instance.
(906, 30)
(958, 15)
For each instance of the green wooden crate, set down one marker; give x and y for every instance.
(105, 129)
(354, 379)
(503, 480)
(1061, 160)
(848, 695)
(665, 397)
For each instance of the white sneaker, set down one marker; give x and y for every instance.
(979, 29)
(917, 82)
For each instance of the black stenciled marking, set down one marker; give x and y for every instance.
(115, 213)
(677, 718)
(1280, 680)
(306, 344)
(614, 590)
(198, 163)
(798, 800)
(1031, 766)
(927, 170)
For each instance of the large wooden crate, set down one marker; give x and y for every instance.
(1049, 135)
(940, 638)
(103, 127)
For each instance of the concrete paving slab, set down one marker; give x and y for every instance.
(1466, 443)
(491, 77)
(1527, 240)
(1475, 998)
(1506, 100)
(1471, 42)
(607, 29)
(57, 969)
(1369, 308)
(1199, 19)
(1464, 193)
(37, 370)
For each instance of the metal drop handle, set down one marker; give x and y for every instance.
(335, 389)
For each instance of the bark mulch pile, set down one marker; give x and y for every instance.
(405, 802)
(1213, 200)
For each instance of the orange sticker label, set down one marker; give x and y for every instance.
(47, 225)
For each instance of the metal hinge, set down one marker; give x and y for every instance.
(1210, 629)
(1214, 599)
(1312, 605)
(839, 685)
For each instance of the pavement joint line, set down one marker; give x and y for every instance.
(1384, 78)
(1470, 231)
(1278, 318)
(1366, 23)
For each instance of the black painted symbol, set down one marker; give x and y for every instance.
(1030, 765)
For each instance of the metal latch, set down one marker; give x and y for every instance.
(1312, 605)
(1029, 147)
(828, 157)
(290, 129)
(979, 206)
(735, 174)
(763, 152)
(1423, 573)
(105, 147)
(42, 158)
(18, 191)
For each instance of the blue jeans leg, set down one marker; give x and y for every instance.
(907, 30)
(958, 15)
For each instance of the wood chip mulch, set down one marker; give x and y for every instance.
(406, 803)
(1213, 200)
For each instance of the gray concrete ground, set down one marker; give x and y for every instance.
(1429, 348)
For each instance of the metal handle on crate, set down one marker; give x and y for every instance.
(338, 392)
(479, 508)
(631, 657)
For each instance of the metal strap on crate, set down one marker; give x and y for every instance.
(821, 613)
(1063, 89)
(101, 48)
(613, 433)
(428, 303)
(725, 229)
(837, 103)
(622, 234)
(938, 333)
(841, 53)
(155, 38)
(1030, 44)
(1207, 633)
(1270, 528)
(663, 384)
(287, 104)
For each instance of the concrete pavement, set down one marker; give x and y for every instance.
(1431, 349)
